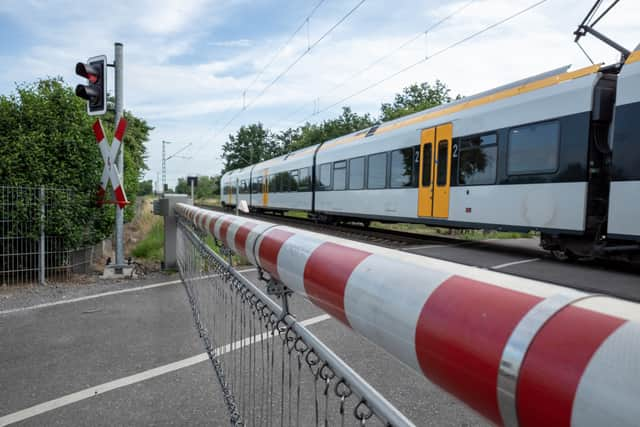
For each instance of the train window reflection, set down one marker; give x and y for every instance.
(324, 176)
(401, 167)
(356, 173)
(340, 175)
(304, 180)
(533, 149)
(443, 155)
(377, 173)
(426, 164)
(293, 180)
(478, 160)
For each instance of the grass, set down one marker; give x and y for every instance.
(296, 214)
(151, 246)
(209, 201)
(237, 260)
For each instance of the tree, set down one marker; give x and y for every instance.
(208, 187)
(46, 139)
(312, 134)
(145, 188)
(251, 144)
(414, 98)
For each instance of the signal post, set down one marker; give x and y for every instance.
(95, 93)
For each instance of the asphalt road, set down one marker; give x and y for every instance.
(525, 258)
(135, 359)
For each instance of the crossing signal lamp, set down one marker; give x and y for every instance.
(95, 92)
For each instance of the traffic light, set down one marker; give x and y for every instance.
(95, 71)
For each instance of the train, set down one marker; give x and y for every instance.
(557, 154)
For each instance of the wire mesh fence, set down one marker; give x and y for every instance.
(35, 242)
(272, 370)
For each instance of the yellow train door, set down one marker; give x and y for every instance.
(435, 176)
(265, 188)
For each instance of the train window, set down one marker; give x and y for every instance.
(272, 184)
(478, 160)
(282, 183)
(533, 149)
(401, 168)
(356, 173)
(258, 188)
(427, 150)
(340, 175)
(293, 180)
(443, 154)
(243, 187)
(377, 172)
(305, 179)
(323, 176)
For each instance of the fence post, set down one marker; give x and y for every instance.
(165, 207)
(41, 264)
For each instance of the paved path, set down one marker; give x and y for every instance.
(133, 358)
(524, 257)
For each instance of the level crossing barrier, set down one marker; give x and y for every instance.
(517, 351)
(272, 370)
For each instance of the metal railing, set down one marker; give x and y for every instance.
(272, 369)
(30, 252)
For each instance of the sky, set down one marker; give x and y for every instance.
(191, 66)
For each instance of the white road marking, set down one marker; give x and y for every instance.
(136, 378)
(103, 294)
(509, 264)
(451, 245)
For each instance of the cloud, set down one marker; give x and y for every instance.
(232, 43)
(188, 62)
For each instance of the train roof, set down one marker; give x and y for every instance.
(530, 84)
(539, 81)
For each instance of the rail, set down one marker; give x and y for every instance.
(519, 352)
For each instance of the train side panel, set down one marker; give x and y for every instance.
(624, 197)
(556, 206)
(551, 199)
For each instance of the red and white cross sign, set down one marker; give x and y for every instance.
(109, 154)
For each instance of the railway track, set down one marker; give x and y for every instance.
(387, 238)
(523, 258)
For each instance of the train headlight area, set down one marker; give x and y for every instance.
(556, 153)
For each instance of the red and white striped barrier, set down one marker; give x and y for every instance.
(520, 352)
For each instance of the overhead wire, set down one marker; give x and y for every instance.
(304, 22)
(290, 66)
(425, 59)
(380, 59)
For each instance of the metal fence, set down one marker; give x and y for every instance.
(31, 251)
(272, 370)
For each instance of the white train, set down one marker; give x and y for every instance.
(557, 153)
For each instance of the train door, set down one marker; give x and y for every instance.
(435, 167)
(265, 188)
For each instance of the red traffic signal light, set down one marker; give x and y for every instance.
(95, 71)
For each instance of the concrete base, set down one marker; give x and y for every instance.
(111, 273)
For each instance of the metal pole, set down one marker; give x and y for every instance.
(164, 165)
(119, 93)
(42, 265)
(192, 199)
